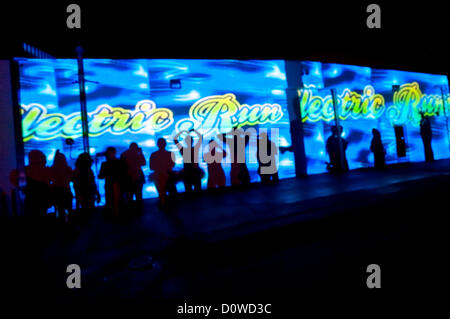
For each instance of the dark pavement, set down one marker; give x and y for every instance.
(310, 236)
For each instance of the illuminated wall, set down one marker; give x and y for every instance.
(366, 100)
(132, 100)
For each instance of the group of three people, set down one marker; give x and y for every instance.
(50, 186)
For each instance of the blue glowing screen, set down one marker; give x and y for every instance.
(155, 98)
(370, 98)
(164, 92)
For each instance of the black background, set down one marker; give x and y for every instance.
(413, 35)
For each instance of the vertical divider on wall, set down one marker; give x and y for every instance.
(446, 113)
(338, 128)
(81, 82)
(401, 135)
(15, 84)
(16, 152)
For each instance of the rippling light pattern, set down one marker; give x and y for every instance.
(366, 99)
(132, 101)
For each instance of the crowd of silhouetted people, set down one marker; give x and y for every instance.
(165, 178)
(50, 186)
(46, 186)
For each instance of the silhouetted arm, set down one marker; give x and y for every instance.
(152, 163)
(172, 162)
(142, 160)
(286, 149)
(101, 175)
(176, 141)
(344, 144)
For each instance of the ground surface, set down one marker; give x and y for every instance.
(312, 236)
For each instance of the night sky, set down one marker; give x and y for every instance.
(411, 37)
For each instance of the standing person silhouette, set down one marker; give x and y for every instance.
(162, 163)
(86, 192)
(134, 160)
(333, 147)
(237, 143)
(216, 175)
(37, 190)
(192, 173)
(266, 152)
(61, 176)
(112, 171)
(377, 148)
(427, 134)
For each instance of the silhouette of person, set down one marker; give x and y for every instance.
(266, 152)
(334, 151)
(112, 171)
(37, 190)
(216, 175)
(427, 135)
(134, 160)
(86, 192)
(237, 144)
(192, 174)
(61, 176)
(377, 148)
(162, 163)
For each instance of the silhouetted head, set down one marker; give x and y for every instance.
(134, 147)
(161, 143)
(37, 158)
(84, 161)
(60, 160)
(334, 130)
(376, 133)
(111, 152)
